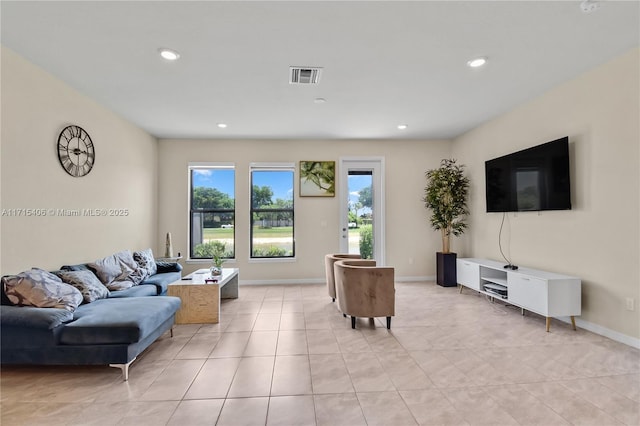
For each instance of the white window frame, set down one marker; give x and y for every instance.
(271, 166)
(207, 165)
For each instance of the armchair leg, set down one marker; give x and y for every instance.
(333, 299)
(344, 315)
(353, 322)
(388, 323)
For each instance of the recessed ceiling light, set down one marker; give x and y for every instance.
(222, 125)
(168, 54)
(589, 6)
(402, 126)
(477, 62)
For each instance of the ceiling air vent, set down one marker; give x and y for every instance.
(304, 75)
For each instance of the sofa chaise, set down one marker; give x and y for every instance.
(110, 330)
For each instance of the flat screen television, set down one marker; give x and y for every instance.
(533, 179)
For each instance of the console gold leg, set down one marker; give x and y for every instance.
(573, 322)
(548, 323)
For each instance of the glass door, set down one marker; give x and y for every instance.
(361, 207)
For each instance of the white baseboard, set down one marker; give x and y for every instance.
(322, 280)
(604, 331)
(281, 281)
(415, 279)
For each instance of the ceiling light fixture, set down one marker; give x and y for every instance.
(589, 6)
(222, 125)
(402, 126)
(319, 100)
(477, 62)
(168, 54)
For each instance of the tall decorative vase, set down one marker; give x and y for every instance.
(168, 251)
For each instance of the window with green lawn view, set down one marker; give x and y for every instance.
(212, 211)
(272, 227)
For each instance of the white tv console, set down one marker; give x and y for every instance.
(545, 293)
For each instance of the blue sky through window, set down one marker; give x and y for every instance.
(280, 182)
(355, 184)
(221, 179)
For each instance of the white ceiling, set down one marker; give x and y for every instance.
(385, 63)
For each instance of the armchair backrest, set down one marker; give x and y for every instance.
(329, 260)
(364, 289)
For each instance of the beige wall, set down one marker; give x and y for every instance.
(408, 233)
(598, 240)
(35, 108)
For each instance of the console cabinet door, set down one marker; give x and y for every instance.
(468, 274)
(529, 293)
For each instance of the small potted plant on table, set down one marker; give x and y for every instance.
(217, 260)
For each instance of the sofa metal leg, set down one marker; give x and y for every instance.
(333, 299)
(353, 322)
(171, 332)
(124, 368)
(388, 323)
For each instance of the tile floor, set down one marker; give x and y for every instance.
(284, 355)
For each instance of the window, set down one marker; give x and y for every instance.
(272, 230)
(212, 210)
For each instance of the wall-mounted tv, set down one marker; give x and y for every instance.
(533, 179)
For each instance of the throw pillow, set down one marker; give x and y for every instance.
(41, 289)
(131, 271)
(120, 285)
(106, 269)
(85, 281)
(4, 300)
(146, 260)
(79, 267)
(164, 267)
(118, 267)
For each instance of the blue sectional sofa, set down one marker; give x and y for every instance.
(113, 330)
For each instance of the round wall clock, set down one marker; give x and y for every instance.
(75, 151)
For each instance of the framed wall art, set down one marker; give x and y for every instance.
(317, 178)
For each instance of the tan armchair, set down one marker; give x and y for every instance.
(329, 260)
(365, 290)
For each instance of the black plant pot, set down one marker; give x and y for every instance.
(446, 269)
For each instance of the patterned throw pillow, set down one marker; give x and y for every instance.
(41, 289)
(118, 271)
(120, 285)
(146, 260)
(107, 269)
(131, 271)
(85, 281)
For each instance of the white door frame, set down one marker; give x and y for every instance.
(365, 163)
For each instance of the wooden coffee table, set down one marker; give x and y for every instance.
(200, 299)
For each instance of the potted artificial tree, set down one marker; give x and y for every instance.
(446, 196)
